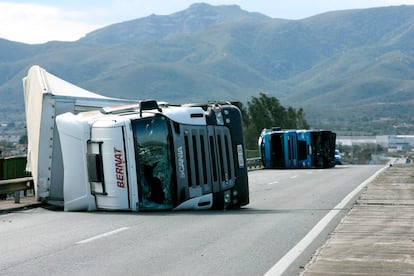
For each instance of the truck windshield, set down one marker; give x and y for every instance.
(154, 162)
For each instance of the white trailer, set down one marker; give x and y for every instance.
(47, 96)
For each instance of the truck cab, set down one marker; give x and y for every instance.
(154, 159)
(278, 148)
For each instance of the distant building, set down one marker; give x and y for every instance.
(10, 138)
(7, 125)
(400, 142)
(394, 143)
(355, 140)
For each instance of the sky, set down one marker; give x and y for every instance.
(40, 21)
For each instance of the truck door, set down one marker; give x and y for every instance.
(292, 149)
(304, 149)
(277, 154)
(106, 154)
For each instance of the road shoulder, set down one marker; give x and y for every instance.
(377, 236)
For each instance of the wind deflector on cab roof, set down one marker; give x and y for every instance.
(148, 105)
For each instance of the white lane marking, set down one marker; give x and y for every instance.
(295, 252)
(274, 182)
(103, 235)
(293, 176)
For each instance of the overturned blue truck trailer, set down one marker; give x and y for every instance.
(297, 148)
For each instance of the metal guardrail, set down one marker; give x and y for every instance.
(16, 185)
(254, 163)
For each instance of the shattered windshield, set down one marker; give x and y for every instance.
(154, 162)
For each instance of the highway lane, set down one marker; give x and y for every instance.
(285, 206)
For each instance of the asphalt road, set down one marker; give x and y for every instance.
(285, 206)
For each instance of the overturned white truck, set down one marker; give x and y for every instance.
(90, 152)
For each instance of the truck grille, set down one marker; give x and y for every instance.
(209, 158)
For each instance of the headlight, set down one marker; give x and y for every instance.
(227, 197)
(219, 116)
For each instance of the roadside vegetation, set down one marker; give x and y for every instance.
(267, 112)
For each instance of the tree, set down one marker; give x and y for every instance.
(267, 112)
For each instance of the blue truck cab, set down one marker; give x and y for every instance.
(278, 148)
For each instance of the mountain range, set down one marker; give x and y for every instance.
(351, 71)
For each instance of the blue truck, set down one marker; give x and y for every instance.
(297, 148)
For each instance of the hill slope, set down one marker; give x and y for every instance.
(352, 71)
